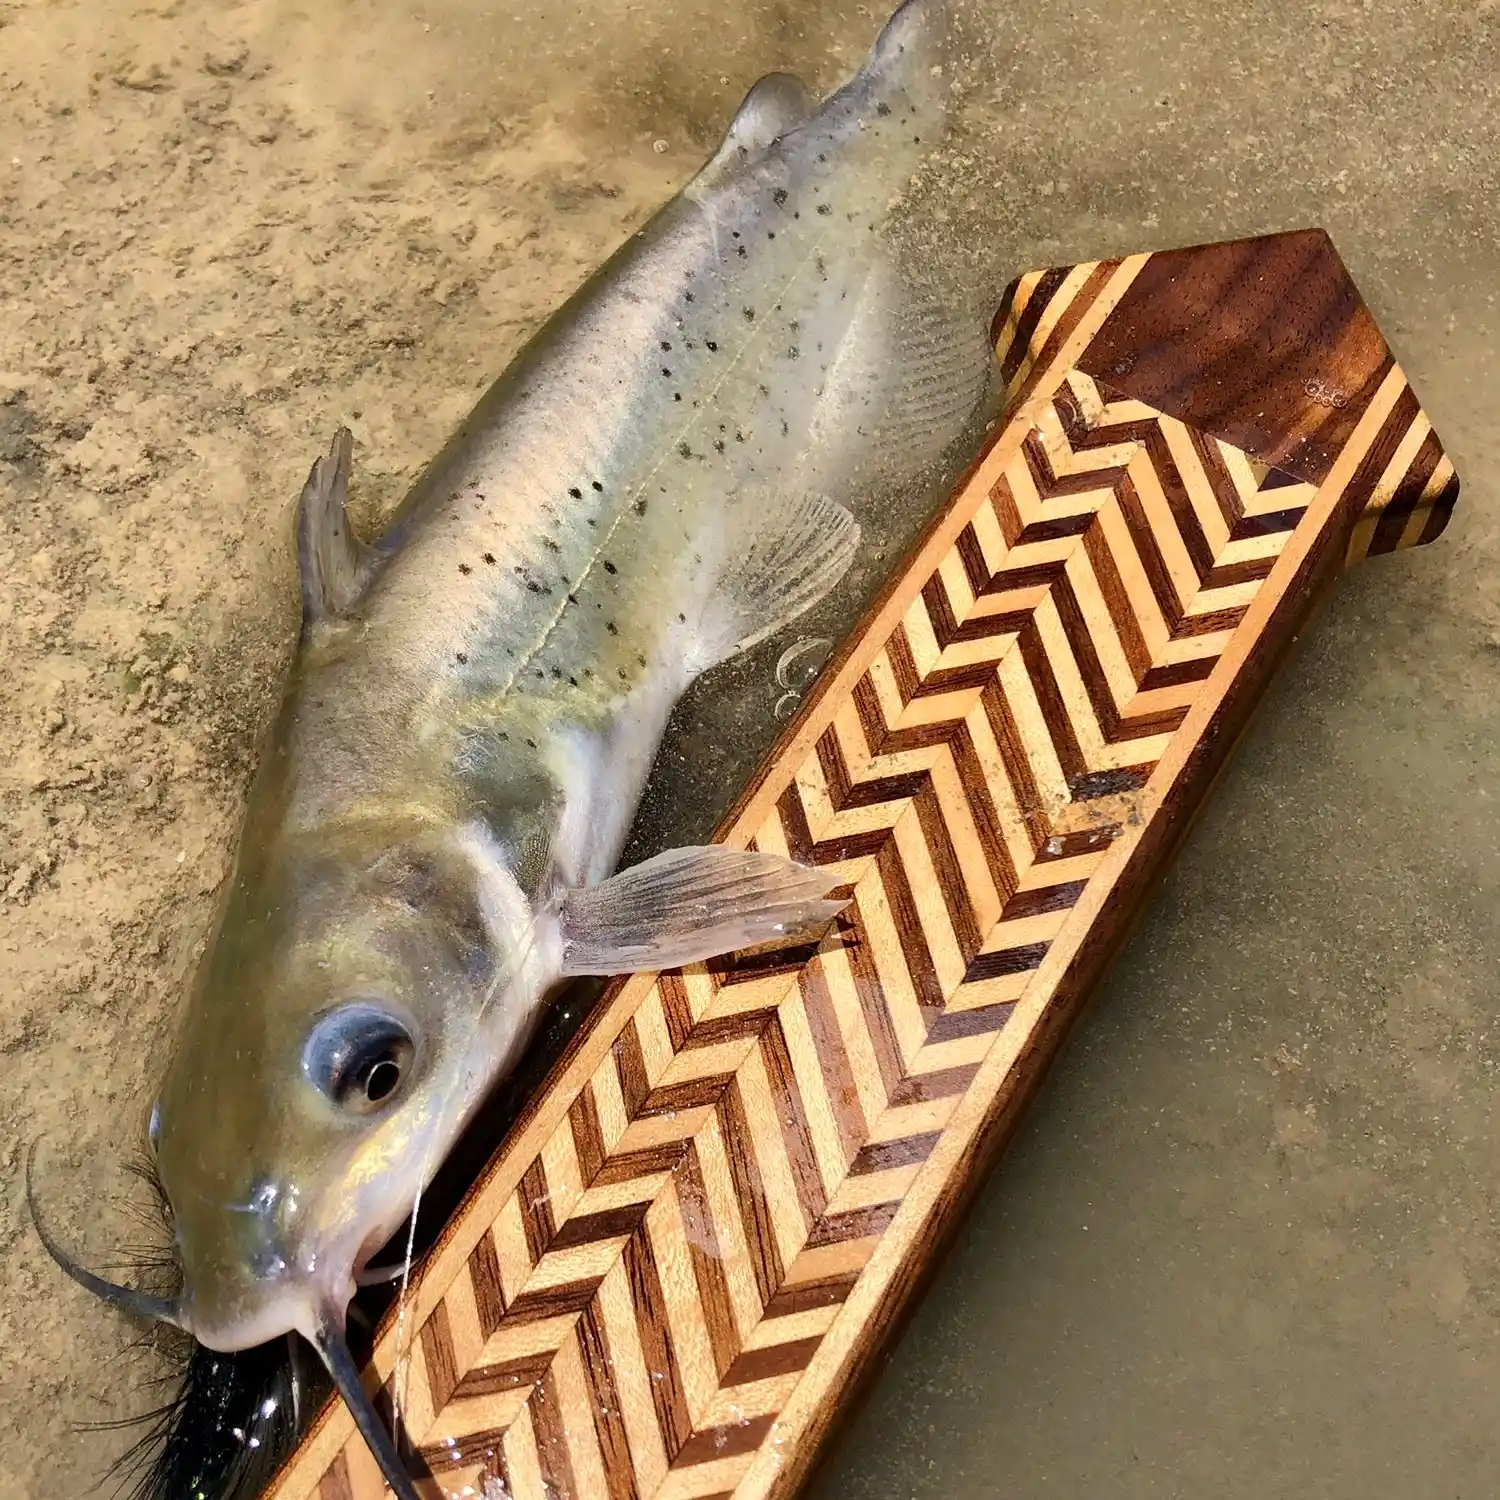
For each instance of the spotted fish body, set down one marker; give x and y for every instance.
(658, 481)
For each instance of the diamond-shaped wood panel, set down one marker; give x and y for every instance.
(706, 1223)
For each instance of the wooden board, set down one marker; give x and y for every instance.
(712, 1216)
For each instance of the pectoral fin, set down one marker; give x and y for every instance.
(334, 563)
(690, 904)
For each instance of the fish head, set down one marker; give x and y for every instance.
(355, 1003)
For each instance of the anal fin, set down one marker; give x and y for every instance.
(688, 905)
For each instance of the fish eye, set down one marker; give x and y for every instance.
(358, 1056)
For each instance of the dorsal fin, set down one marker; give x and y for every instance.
(771, 108)
(335, 565)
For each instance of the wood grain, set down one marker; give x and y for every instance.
(670, 1279)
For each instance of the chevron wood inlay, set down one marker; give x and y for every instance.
(692, 1243)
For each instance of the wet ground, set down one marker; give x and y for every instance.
(1245, 1242)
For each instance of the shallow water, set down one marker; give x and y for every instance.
(1245, 1239)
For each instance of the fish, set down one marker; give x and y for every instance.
(662, 479)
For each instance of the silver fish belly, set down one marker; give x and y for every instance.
(661, 479)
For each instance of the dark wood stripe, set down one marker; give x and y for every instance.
(1041, 294)
(981, 1021)
(1153, 565)
(604, 1403)
(881, 1156)
(791, 1115)
(1079, 841)
(939, 611)
(833, 1059)
(1038, 902)
(1176, 673)
(707, 1258)
(1050, 485)
(854, 1224)
(779, 1359)
(553, 1301)
(692, 1093)
(1007, 515)
(952, 884)
(750, 1193)
(667, 1393)
(1251, 570)
(1117, 601)
(1007, 961)
(1050, 700)
(805, 1296)
(588, 1133)
(1220, 480)
(867, 706)
(923, 1088)
(1017, 763)
(484, 1277)
(607, 1224)
(1398, 511)
(1208, 624)
(735, 1026)
(1266, 523)
(903, 664)
(868, 986)
(536, 1210)
(714, 1443)
(505, 1375)
(676, 1007)
(1085, 656)
(986, 627)
(439, 1356)
(551, 1428)
(987, 827)
(488, 1442)
(967, 675)
(335, 1484)
(648, 1161)
(1441, 512)
(630, 1064)
(1179, 502)
(1024, 576)
(971, 555)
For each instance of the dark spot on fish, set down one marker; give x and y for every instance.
(623, 675)
(612, 628)
(465, 569)
(741, 251)
(462, 659)
(779, 197)
(572, 682)
(785, 430)
(688, 295)
(794, 352)
(712, 347)
(550, 545)
(796, 213)
(557, 673)
(641, 660)
(765, 390)
(677, 395)
(882, 109)
(666, 347)
(538, 673)
(683, 451)
(533, 587)
(598, 487)
(749, 314)
(489, 557)
(825, 209)
(734, 233)
(665, 371)
(610, 568)
(739, 437)
(592, 521)
(531, 744)
(640, 507)
(682, 619)
(718, 445)
(576, 493)
(916, 140)
(822, 156)
(572, 598)
(770, 234)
